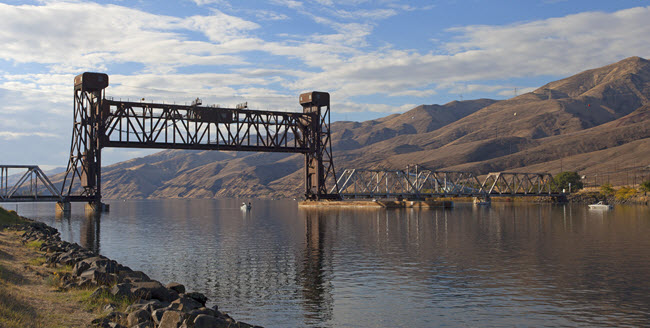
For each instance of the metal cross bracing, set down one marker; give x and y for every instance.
(517, 183)
(31, 186)
(149, 125)
(417, 182)
(101, 122)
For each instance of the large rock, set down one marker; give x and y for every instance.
(149, 306)
(139, 317)
(185, 304)
(80, 267)
(132, 276)
(157, 315)
(179, 288)
(206, 321)
(102, 264)
(123, 290)
(98, 277)
(201, 311)
(153, 289)
(172, 319)
(198, 297)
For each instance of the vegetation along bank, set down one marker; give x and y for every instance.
(47, 282)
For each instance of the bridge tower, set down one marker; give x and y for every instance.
(84, 164)
(319, 163)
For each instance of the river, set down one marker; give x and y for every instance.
(281, 266)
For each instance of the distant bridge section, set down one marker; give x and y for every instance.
(418, 182)
(32, 185)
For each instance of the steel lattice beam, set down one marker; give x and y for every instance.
(33, 185)
(419, 182)
(100, 122)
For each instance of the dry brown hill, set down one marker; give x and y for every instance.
(587, 122)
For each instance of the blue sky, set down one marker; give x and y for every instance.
(374, 57)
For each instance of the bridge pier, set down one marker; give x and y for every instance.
(482, 200)
(62, 208)
(96, 207)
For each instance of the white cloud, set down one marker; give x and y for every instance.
(557, 46)
(112, 34)
(267, 15)
(414, 93)
(220, 27)
(8, 135)
(347, 107)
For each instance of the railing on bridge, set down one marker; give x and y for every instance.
(32, 186)
(417, 182)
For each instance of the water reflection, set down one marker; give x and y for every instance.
(315, 281)
(90, 231)
(505, 265)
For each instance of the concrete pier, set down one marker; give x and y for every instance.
(96, 207)
(62, 208)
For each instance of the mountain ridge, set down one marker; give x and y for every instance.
(586, 116)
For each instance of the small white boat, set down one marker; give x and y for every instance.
(246, 207)
(600, 206)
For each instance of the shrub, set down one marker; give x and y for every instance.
(607, 190)
(645, 187)
(625, 193)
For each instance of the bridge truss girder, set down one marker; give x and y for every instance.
(417, 182)
(100, 122)
(517, 183)
(33, 185)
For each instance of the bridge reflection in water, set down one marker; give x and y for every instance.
(276, 265)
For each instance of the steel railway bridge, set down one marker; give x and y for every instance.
(419, 182)
(101, 122)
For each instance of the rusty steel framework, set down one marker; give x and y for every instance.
(33, 185)
(418, 182)
(101, 122)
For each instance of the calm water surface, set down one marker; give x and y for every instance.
(280, 266)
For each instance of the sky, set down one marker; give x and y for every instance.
(375, 58)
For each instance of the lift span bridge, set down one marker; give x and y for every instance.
(100, 122)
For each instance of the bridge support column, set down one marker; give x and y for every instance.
(482, 200)
(83, 175)
(96, 207)
(319, 163)
(62, 208)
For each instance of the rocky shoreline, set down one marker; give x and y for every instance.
(592, 197)
(152, 304)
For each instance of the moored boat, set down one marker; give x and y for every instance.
(600, 206)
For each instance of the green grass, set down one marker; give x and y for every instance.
(37, 261)
(63, 268)
(36, 244)
(9, 218)
(95, 303)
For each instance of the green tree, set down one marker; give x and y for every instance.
(645, 187)
(565, 178)
(607, 190)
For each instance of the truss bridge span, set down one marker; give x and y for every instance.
(419, 182)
